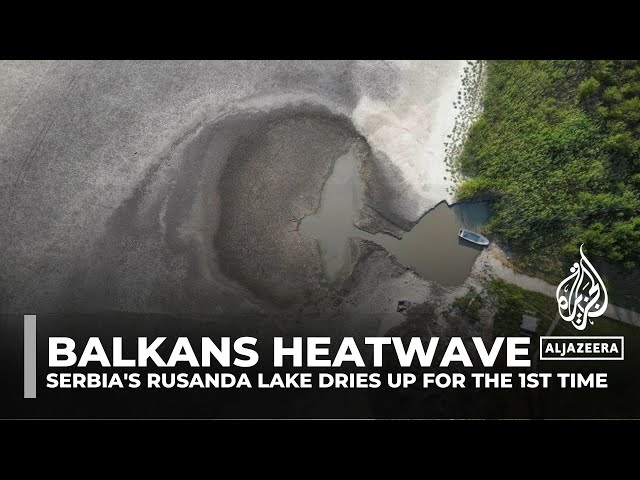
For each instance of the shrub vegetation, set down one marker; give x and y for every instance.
(557, 152)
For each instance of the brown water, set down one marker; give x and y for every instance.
(332, 225)
(432, 248)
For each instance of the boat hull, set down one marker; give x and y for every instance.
(473, 237)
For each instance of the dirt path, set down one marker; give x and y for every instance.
(493, 259)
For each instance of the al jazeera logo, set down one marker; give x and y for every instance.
(582, 297)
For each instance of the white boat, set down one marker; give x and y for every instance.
(473, 237)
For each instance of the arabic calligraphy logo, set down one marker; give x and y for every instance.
(582, 295)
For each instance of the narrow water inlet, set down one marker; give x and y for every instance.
(432, 248)
(332, 225)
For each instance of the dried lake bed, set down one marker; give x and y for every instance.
(180, 187)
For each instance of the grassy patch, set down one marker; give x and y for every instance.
(470, 305)
(512, 302)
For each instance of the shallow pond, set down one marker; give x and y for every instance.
(432, 248)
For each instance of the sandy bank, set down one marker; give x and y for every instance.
(412, 131)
